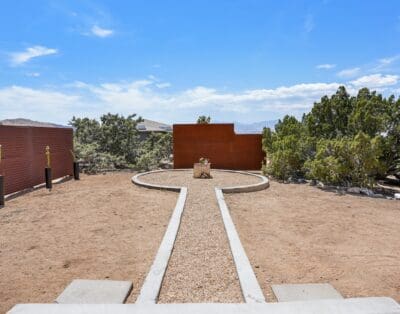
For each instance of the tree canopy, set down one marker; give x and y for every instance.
(203, 120)
(343, 140)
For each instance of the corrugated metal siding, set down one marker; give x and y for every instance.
(219, 143)
(23, 159)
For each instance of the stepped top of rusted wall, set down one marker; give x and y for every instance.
(219, 143)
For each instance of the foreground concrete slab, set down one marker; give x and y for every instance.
(81, 291)
(304, 292)
(348, 306)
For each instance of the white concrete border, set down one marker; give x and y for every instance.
(262, 185)
(152, 284)
(251, 289)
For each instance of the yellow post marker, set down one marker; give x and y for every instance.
(48, 156)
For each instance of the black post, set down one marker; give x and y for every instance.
(76, 170)
(2, 203)
(47, 173)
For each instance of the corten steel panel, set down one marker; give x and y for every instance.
(219, 143)
(23, 155)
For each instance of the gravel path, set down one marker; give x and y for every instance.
(201, 268)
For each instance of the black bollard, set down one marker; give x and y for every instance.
(2, 203)
(47, 173)
(76, 170)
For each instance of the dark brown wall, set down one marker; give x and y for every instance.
(23, 159)
(219, 143)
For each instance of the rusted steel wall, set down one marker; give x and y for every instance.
(219, 143)
(23, 155)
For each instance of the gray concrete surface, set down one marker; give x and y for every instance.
(345, 306)
(82, 291)
(305, 292)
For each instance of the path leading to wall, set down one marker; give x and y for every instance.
(201, 268)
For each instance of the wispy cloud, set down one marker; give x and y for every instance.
(101, 32)
(347, 73)
(18, 58)
(325, 66)
(33, 74)
(389, 60)
(163, 85)
(309, 23)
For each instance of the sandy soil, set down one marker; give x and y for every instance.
(201, 268)
(101, 227)
(300, 234)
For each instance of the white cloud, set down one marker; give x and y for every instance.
(375, 80)
(349, 72)
(39, 104)
(18, 58)
(325, 66)
(148, 99)
(101, 32)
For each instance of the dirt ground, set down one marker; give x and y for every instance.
(300, 234)
(101, 227)
(201, 268)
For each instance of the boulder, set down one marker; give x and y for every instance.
(367, 192)
(354, 190)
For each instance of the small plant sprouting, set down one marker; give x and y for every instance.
(204, 161)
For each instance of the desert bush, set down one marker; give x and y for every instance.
(92, 160)
(113, 143)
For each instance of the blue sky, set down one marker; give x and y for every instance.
(172, 61)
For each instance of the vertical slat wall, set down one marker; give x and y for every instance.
(23, 159)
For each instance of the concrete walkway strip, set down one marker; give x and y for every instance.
(82, 291)
(305, 292)
(152, 284)
(345, 306)
(251, 290)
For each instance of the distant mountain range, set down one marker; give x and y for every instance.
(255, 127)
(27, 122)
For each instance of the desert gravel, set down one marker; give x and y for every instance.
(101, 227)
(201, 268)
(295, 233)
